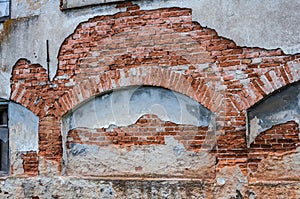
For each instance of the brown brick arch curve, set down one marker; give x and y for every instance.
(151, 76)
(272, 81)
(152, 42)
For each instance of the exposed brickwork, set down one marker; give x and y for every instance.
(279, 139)
(30, 163)
(50, 143)
(160, 48)
(148, 130)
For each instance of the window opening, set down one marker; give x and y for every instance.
(4, 140)
(4, 9)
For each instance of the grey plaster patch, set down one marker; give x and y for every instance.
(78, 149)
(227, 17)
(126, 106)
(151, 159)
(229, 181)
(67, 4)
(23, 128)
(280, 107)
(29, 8)
(4, 77)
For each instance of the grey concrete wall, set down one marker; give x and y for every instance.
(268, 24)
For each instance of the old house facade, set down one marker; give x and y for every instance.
(149, 99)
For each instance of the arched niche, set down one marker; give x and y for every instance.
(138, 130)
(279, 107)
(123, 107)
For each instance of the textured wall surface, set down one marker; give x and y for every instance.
(148, 103)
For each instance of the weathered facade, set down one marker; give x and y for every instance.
(149, 99)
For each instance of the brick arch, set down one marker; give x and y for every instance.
(104, 47)
(150, 76)
(271, 71)
(272, 81)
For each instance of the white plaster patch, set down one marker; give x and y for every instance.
(254, 130)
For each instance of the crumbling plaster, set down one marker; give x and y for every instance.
(278, 167)
(170, 159)
(123, 108)
(62, 187)
(269, 24)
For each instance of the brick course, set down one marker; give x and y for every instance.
(279, 139)
(148, 130)
(30, 163)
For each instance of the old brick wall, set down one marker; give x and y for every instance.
(148, 130)
(164, 48)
